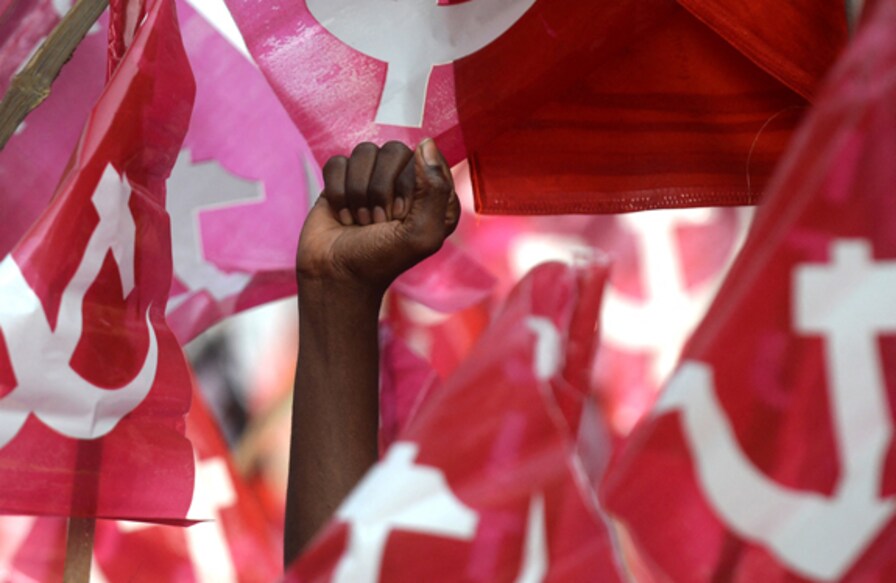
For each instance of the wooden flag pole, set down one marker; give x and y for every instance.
(78, 550)
(853, 11)
(32, 84)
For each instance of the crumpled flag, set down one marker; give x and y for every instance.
(93, 384)
(243, 166)
(620, 106)
(485, 482)
(770, 454)
(233, 543)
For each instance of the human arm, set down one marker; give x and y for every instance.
(382, 211)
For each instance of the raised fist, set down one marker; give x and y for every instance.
(382, 211)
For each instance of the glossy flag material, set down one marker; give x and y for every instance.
(349, 71)
(666, 268)
(239, 191)
(242, 165)
(234, 544)
(562, 107)
(484, 483)
(93, 385)
(774, 439)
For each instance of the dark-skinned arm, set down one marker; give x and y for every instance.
(382, 211)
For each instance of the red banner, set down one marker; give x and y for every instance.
(93, 384)
(561, 106)
(502, 495)
(773, 442)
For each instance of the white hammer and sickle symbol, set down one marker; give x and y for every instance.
(848, 303)
(411, 37)
(40, 354)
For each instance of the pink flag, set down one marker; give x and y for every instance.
(484, 484)
(381, 70)
(233, 544)
(561, 106)
(93, 385)
(238, 193)
(770, 454)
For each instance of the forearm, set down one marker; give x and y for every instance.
(335, 407)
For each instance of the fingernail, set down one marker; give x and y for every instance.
(430, 152)
(398, 208)
(345, 217)
(363, 216)
(379, 215)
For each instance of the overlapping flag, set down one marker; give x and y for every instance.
(93, 384)
(502, 496)
(774, 439)
(561, 106)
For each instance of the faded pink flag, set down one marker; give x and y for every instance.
(237, 195)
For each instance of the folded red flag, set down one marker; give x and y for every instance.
(795, 41)
(484, 483)
(350, 70)
(680, 118)
(562, 107)
(770, 456)
(93, 384)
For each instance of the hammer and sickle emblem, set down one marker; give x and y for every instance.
(40, 355)
(848, 303)
(411, 37)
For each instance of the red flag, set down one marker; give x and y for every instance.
(234, 544)
(562, 107)
(484, 483)
(220, 189)
(773, 442)
(679, 118)
(349, 70)
(93, 385)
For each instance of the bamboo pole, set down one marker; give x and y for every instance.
(78, 550)
(853, 12)
(32, 84)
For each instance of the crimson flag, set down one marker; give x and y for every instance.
(561, 106)
(485, 482)
(93, 384)
(770, 454)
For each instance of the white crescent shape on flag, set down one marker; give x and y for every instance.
(849, 303)
(411, 37)
(40, 355)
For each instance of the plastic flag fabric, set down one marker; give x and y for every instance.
(242, 165)
(666, 267)
(233, 545)
(485, 482)
(619, 106)
(773, 441)
(93, 385)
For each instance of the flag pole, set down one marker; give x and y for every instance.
(853, 12)
(32, 84)
(78, 550)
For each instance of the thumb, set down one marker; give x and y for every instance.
(433, 189)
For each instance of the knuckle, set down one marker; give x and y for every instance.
(364, 148)
(378, 192)
(395, 147)
(334, 164)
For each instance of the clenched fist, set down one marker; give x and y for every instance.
(382, 211)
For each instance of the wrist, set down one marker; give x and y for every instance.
(337, 294)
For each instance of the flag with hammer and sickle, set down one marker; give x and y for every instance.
(561, 106)
(93, 385)
(770, 454)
